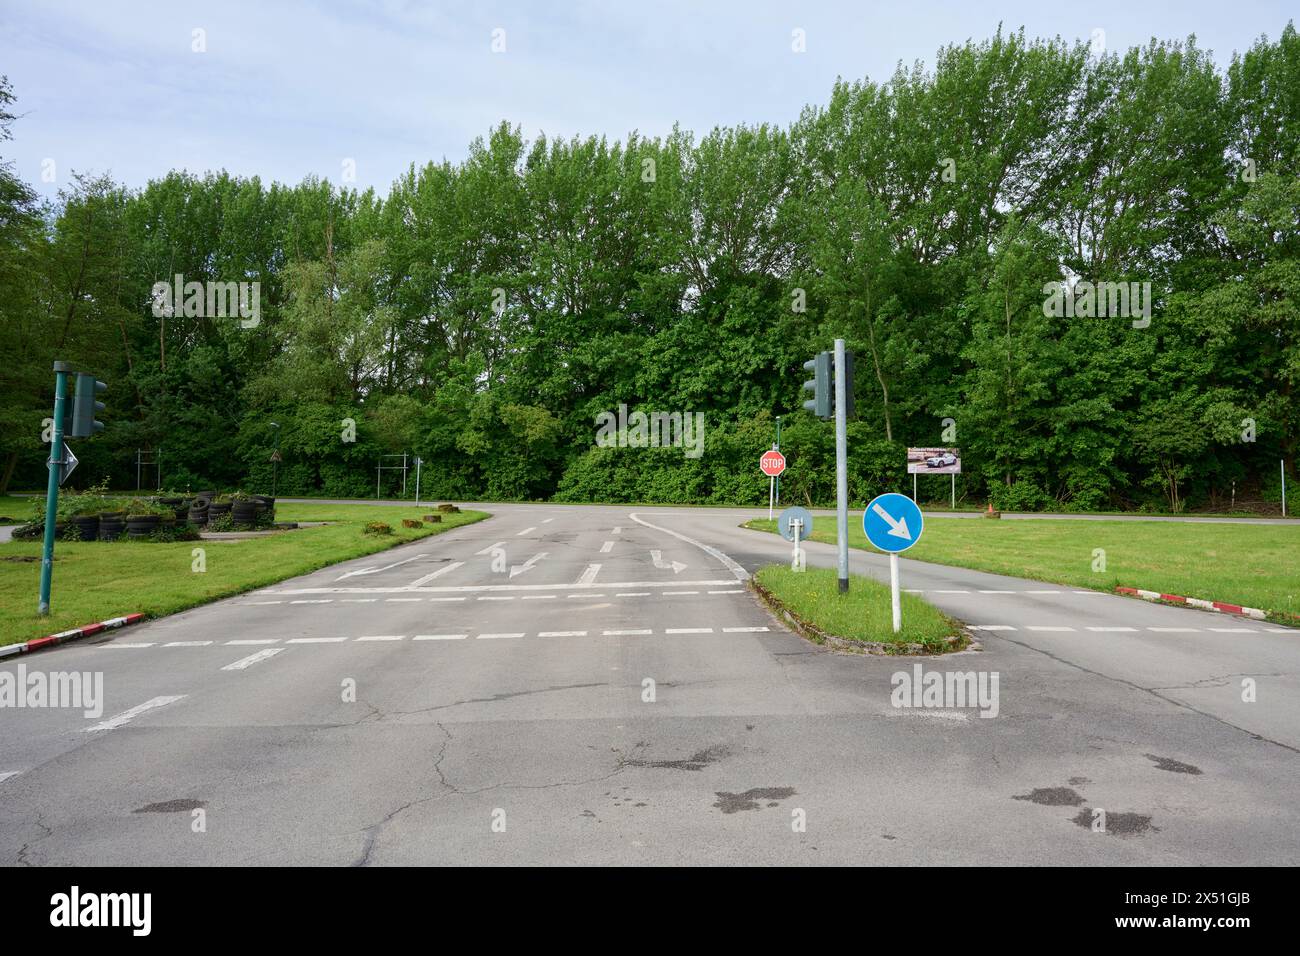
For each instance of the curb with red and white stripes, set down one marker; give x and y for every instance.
(1196, 602)
(76, 634)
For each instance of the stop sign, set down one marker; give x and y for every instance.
(772, 463)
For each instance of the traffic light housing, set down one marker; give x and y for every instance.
(820, 385)
(85, 407)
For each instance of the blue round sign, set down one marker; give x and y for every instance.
(892, 522)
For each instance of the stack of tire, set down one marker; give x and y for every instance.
(111, 525)
(198, 510)
(87, 526)
(246, 513)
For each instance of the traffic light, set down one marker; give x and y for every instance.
(85, 407)
(820, 385)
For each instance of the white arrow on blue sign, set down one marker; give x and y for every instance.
(892, 522)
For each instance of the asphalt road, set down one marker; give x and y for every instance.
(572, 685)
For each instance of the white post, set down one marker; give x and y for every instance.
(1283, 463)
(893, 592)
(954, 491)
(771, 483)
(841, 466)
(797, 563)
(913, 487)
(418, 463)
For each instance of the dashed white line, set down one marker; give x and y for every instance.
(445, 569)
(1048, 627)
(1235, 630)
(743, 630)
(731, 591)
(520, 534)
(991, 627)
(253, 643)
(448, 599)
(539, 597)
(627, 632)
(589, 575)
(187, 644)
(561, 633)
(671, 593)
(489, 548)
(127, 716)
(254, 603)
(440, 637)
(618, 530)
(952, 592)
(688, 630)
(1113, 630)
(358, 600)
(383, 637)
(245, 662)
(510, 598)
(316, 640)
(491, 637)
(587, 596)
(133, 644)
(607, 547)
(401, 600)
(633, 594)
(1042, 592)
(314, 601)
(997, 592)
(1175, 630)
(547, 520)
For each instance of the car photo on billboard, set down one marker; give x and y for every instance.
(933, 461)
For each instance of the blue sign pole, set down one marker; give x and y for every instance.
(893, 523)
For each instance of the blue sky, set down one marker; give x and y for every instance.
(289, 89)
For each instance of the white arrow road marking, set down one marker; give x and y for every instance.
(527, 565)
(589, 575)
(740, 573)
(384, 568)
(436, 574)
(489, 549)
(658, 558)
(246, 662)
(897, 526)
(127, 716)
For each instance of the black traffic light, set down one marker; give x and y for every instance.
(85, 407)
(820, 385)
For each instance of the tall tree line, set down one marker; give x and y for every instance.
(484, 313)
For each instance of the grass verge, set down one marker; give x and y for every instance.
(861, 620)
(98, 580)
(1252, 565)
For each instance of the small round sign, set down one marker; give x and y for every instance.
(892, 522)
(785, 523)
(772, 463)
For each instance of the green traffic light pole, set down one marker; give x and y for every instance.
(61, 370)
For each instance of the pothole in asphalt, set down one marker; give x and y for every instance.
(1118, 824)
(1052, 797)
(172, 806)
(750, 799)
(1173, 766)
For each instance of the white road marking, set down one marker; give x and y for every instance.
(187, 644)
(317, 640)
(607, 547)
(255, 603)
(253, 643)
(127, 716)
(1235, 630)
(1042, 592)
(1113, 630)
(399, 600)
(395, 564)
(490, 598)
(383, 637)
(520, 534)
(688, 630)
(589, 575)
(448, 599)
(489, 549)
(740, 573)
(472, 588)
(627, 632)
(491, 637)
(124, 644)
(539, 597)
(991, 627)
(1281, 630)
(251, 659)
(315, 601)
(732, 591)
(547, 520)
(997, 592)
(436, 574)
(908, 590)
(633, 594)
(562, 634)
(7, 774)
(743, 630)
(1175, 630)
(666, 593)
(358, 600)
(586, 597)
(1048, 627)
(952, 592)
(1087, 592)
(618, 530)
(440, 637)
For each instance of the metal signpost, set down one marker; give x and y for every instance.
(893, 523)
(771, 463)
(794, 524)
(842, 463)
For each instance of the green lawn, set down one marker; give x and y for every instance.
(97, 580)
(864, 614)
(1253, 565)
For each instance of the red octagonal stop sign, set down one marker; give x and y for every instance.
(772, 463)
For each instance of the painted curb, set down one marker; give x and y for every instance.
(76, 634)
(1219, 606)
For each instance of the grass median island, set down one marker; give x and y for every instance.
(1253, 565)
(96, 580)
(863, 616)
